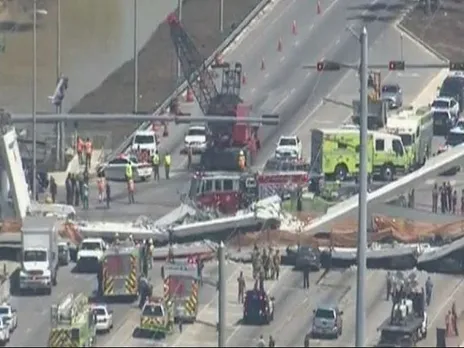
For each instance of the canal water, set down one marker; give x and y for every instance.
(96, 38)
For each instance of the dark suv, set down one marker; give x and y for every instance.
(453, 86)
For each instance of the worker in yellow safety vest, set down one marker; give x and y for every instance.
(156, 164)
(128, 174)
(241, 161)
(167, 164)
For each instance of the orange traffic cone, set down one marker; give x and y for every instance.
(294, 28)
(318, 7)
(189, 96)
(244, 79)
(263, 65)
(279, 45)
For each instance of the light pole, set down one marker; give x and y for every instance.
(136, 61)
(221, 17)
(34, 101)
(59, 125)
(402, 46)
(362, 233)
(179, 67)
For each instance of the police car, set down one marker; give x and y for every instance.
(258, 308)
(116, 169)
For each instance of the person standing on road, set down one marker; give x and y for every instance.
(108, 194)
(85, 195)
(241, 287)
(443, 200)
(428, 291)
(53, 189)
(449, 195)
(167, 165)
(455, 201)
(156, 166)
(80, 150)
(88, 153)
(389, 285)
(69, 190)
(131, 191)
(189, 157)
(306, 276)
(435, 198)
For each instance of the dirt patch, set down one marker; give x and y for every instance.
(157, 64)
(441, 30)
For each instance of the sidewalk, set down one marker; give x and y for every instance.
(74, 167)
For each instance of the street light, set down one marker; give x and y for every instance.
(34, 101)
(136, 61)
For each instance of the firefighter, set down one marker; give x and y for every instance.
(241, 160)
(277, 263)
(265, 263)
(428, 291)
(88, 153)
(389, 284)
(256, 262)
(271, 341)
(241, 287)
(156, 164)
(80, 149)
(167, 164)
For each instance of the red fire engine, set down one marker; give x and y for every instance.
(230, 191)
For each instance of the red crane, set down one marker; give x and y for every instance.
(225, 141)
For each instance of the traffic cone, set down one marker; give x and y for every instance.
(244, 79)
(279, 46)
(189, 96)
(318, 7)
(263, 65)
(294, 28)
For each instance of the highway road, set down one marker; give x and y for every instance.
(284, 88)
(34, 311)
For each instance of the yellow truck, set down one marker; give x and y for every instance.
(73, 323)
(156, 318)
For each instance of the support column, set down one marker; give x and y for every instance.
(5, 210)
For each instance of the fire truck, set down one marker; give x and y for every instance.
(121, 268)
(157, 317)
(181, 287)
(229, 191)
(233, 129)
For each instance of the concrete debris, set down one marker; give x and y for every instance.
(61, 211)
(206, 250)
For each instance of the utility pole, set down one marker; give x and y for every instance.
(222, 296)
(179, 66)
(221, 17)
(402, 46)
(362, 233)
(136, 60)
(60, 126)
(34, 101)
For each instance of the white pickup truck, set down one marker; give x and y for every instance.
(4, 331)
(10, 315)
(89, 254)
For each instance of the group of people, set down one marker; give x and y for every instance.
(447, 197)
(265, 264)
(84, 151)
(399, 286)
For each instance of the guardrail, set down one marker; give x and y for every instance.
(183, 87)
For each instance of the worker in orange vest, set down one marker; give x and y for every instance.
(241, 160)
(80, 149)
(88, 153)
(101, 187)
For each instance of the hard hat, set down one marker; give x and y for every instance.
(241, 153)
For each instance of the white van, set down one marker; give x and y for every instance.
(145, 140)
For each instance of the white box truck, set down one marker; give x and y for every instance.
(39, 257)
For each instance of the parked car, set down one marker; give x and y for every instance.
(446, 103)
(104, 317)
(10, 315)
(116, 169)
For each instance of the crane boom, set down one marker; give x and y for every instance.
(193, 66)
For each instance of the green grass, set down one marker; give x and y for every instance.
(309, 204)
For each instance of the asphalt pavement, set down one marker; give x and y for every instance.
(34, 311)
(283, 87)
